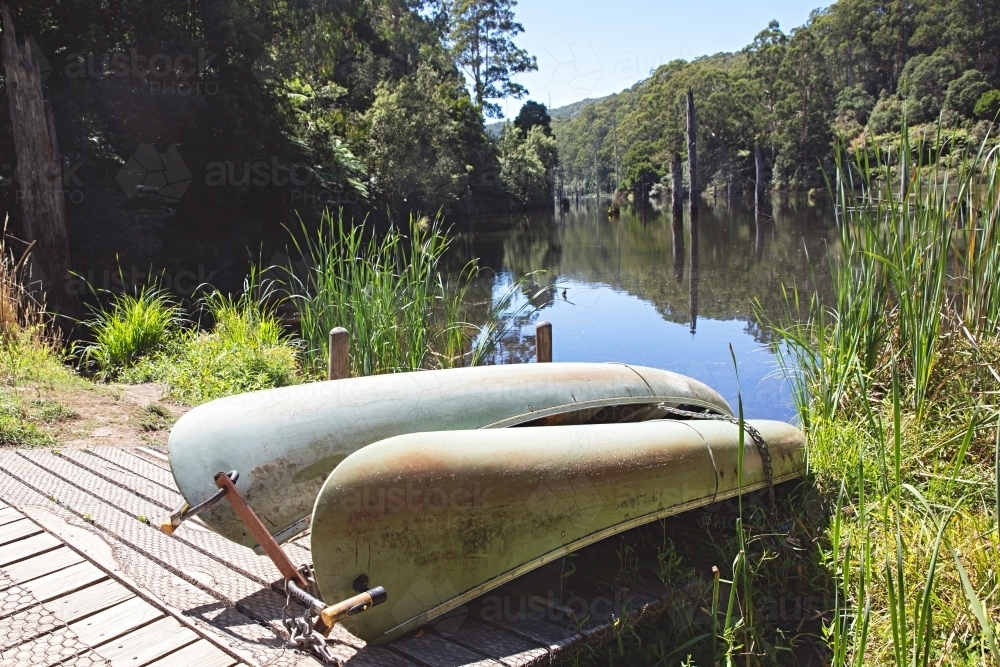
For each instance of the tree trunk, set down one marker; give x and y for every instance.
(759, 182)
(692, 153)
(39, 168)
(677, 183)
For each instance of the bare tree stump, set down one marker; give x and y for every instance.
(759, 182)
(676, 184)
(39, 167)
(692, 153)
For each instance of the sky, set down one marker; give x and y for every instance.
(592, 48)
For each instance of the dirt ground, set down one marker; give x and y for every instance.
(91, 414)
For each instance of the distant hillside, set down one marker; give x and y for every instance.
(852, 67)
(568, 112)
(571, 111)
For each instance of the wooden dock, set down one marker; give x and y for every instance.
(87, 579)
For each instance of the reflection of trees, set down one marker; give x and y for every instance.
(736, 259)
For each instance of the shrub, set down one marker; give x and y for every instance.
(856, 102)
(133, 327)
(965, 91)
(886, 116)
(988, 105)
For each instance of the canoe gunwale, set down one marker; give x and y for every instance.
(302, 524)
(585, 541)
(598, 403)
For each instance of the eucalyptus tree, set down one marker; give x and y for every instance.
(482, 41)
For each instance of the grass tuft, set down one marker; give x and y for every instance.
(133, 327)
(246, 350)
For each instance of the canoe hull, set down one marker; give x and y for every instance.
(285, 442)
(439, 518)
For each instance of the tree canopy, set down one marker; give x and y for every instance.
(854, 67)
(196, 133)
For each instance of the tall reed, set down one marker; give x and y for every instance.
(899, 406)
(392, 293)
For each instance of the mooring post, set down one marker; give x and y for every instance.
(340, 358)
(543, 342)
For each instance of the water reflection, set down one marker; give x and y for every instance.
(660, 289)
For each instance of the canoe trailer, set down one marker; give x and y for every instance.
(439, 486)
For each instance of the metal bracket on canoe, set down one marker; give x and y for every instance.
(184, 511)
(310, 630)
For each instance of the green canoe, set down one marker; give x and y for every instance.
(286, 442)
(440, 518)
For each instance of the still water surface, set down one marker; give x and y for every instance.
(645, 290)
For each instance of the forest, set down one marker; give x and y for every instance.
(847, 77)
(194, 134)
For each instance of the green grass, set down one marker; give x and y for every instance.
(246, 349)
(132, 327)
(31, 361)
(897, 392)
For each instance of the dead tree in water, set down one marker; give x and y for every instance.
(692, 153)
(758, 194)
(677, 184)
(39, 167)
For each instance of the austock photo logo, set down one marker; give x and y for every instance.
(72, 192)
(182, 74)
(308, 183)
(163, 174)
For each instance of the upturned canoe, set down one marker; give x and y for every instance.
(440, 518)
(285, 442)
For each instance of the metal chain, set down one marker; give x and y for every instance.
(758, 439)
(303, 635)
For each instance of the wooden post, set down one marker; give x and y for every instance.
(543, 342)
(39, 166)
(759, 183)
(692, 153)
(340, 358)
(677, 183)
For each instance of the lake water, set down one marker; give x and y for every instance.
(643, 290)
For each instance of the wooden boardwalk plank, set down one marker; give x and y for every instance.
(17, 531)
(435, 651)
(25, 548)
(252, 639)
(48, 649)
(9, 515)
(65, 581)
(142, 646)
(117, 474)
(127, 459)
(90, 600)
(199, 654)
(506, 648)
(25, 625)
(225, 553)
(141, 471)
(41, 565)
(250, 598)
(112, 623)
(113, 496)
